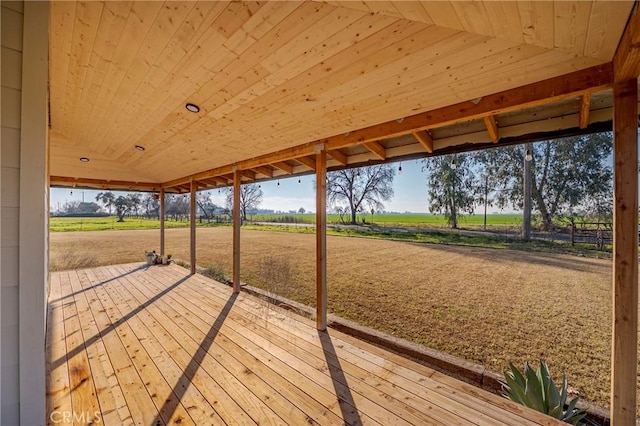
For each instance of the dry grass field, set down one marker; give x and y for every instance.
(488, 306)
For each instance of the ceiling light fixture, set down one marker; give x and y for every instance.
(140, 147)
(84, 159)
(192, 107)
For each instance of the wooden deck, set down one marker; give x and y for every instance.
(129, 344)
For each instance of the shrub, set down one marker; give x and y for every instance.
(536, 389)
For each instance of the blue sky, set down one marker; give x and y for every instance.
(410, 190)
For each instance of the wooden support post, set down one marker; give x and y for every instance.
(192, 260)
(624, 350)
(236, 231)
(161, 214)
(321, 240)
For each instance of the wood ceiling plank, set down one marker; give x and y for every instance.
(137, 27)
(474, 18)
(492, 128)
(307, 161)
(504, 17)
(537, 23)
(352, 84)
(413, 11)
(339, 156)
(626, 61)
(376, 149)
(112, 24)
(399, 40)
(585, 106)
(287, 168)
(425, 139)
(472, 83)
(166, 24)
(84, 30)
(61, 18)
(443, 14)
(605, 28)
(299, 18)
(571, 22)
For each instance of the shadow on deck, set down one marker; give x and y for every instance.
(128, 344)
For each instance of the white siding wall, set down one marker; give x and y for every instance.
(11, 94)
(23, 211)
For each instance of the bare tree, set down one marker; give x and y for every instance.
(250, 198)
(367, 186)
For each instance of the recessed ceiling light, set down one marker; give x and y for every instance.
(192, 107)
(84, 159)
(140, 147)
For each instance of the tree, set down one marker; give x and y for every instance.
(250, 198)
(568, 175)
(206, 206)
(135, 201)
(107, 199)
(123, 206)
(452, 186)
(357, 188)
(151, 205)
(79, 207)
(301, 210)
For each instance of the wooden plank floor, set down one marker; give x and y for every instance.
(130, 344)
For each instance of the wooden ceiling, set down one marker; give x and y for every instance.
(278, 76)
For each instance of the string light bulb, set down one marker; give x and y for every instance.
(278, 183)
(400, 169)
(528, 156)
(299, 181)
(453, 164)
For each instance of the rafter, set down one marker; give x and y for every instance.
(585, 106)
(307, 161)
(425, 139)
(263, 170)
(377, 149)
(339, 156)
(248, 174)
(285, 167)
(492, 127)
(104, 184)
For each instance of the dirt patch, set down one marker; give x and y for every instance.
(488, 306)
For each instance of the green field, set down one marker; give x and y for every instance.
(66, 224)
(405, 219)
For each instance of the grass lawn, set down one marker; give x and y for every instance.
(68, 224)
(488, 305)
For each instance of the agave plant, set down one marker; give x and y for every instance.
(536, 389)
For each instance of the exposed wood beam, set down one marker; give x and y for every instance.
(104, 184)
(492, 128)
(339, 156)
(265, 171)
(309, 162)
(287, 168)
(585, 106)
(236, 231)
(624, 347)
(377, 149)
(626, 60)
(566, 86)
(248, 174)
(210, 182)
(192, 223)
(425, 139)
(321, 240)
(162, 214)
